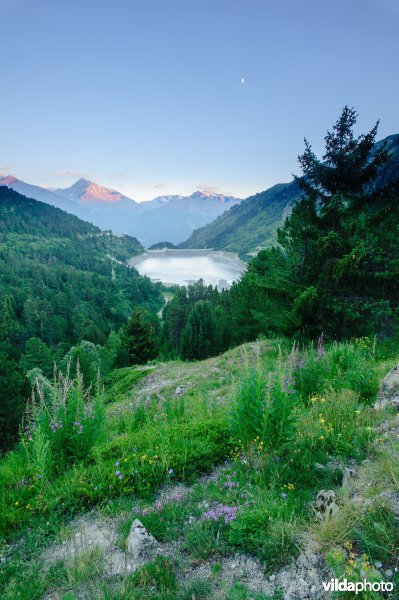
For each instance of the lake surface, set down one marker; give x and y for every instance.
(187, 266)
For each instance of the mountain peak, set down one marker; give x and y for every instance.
(86, 191)
(8, 179)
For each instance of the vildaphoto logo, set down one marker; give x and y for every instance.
(337, 585)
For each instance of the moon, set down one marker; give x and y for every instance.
(242, 80)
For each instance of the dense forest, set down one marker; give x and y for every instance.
(61, 282)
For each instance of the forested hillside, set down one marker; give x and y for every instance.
(252, 225)
(249, 226)
(60, 283)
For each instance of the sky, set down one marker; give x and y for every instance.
(156, 97)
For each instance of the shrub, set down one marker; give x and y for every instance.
(63, 421)
(267, 532)
(263, 409)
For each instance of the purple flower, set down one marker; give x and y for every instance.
(227, 513)
(320, 346)
(170, 471)
(283, 495)
(117, 463)
(117, 473)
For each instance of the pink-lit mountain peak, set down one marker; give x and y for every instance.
(8, 180)
(86, 191)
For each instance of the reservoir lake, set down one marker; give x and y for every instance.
(183, 267)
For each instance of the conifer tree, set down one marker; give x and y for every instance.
(140, 337)
(198, 337)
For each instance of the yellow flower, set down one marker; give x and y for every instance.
(291, 486)
(16, 504)
(28, 506)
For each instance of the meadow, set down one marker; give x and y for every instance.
(231, 466)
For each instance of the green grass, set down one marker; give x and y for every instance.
(273, 417)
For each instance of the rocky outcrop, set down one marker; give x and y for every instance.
(388, 394)
(140, 542)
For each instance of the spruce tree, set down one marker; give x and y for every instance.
(140, 337)
(322, 237)
(198, 337)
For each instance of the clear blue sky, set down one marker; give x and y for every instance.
(146, 96)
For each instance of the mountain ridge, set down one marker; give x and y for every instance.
(172, 218)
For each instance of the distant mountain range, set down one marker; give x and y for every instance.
(252, 225)
(171, 218)
(202, 220)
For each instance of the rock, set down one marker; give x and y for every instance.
(139, 541)
(180, 390)
(389, 573)
(388, 394)
(326, 504)
(349, 474)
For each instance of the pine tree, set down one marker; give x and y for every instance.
(140, 337)
(198, 337)
(325, 252)
(13, 385)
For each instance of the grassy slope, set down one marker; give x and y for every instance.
(164, 440)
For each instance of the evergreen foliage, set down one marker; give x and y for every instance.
(198, 336)
(140, 338)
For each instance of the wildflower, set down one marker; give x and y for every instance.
(16, 504)
(320, 346)
(28, 506)
(117, 473)
(120, 475)
(117, 463)
(283, 495)
(39, 476)
(291, 486)
(170, 471)
(227, 513)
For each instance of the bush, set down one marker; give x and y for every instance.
(263, 409)
(62, 423)
(268, 532)
(337, 367)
